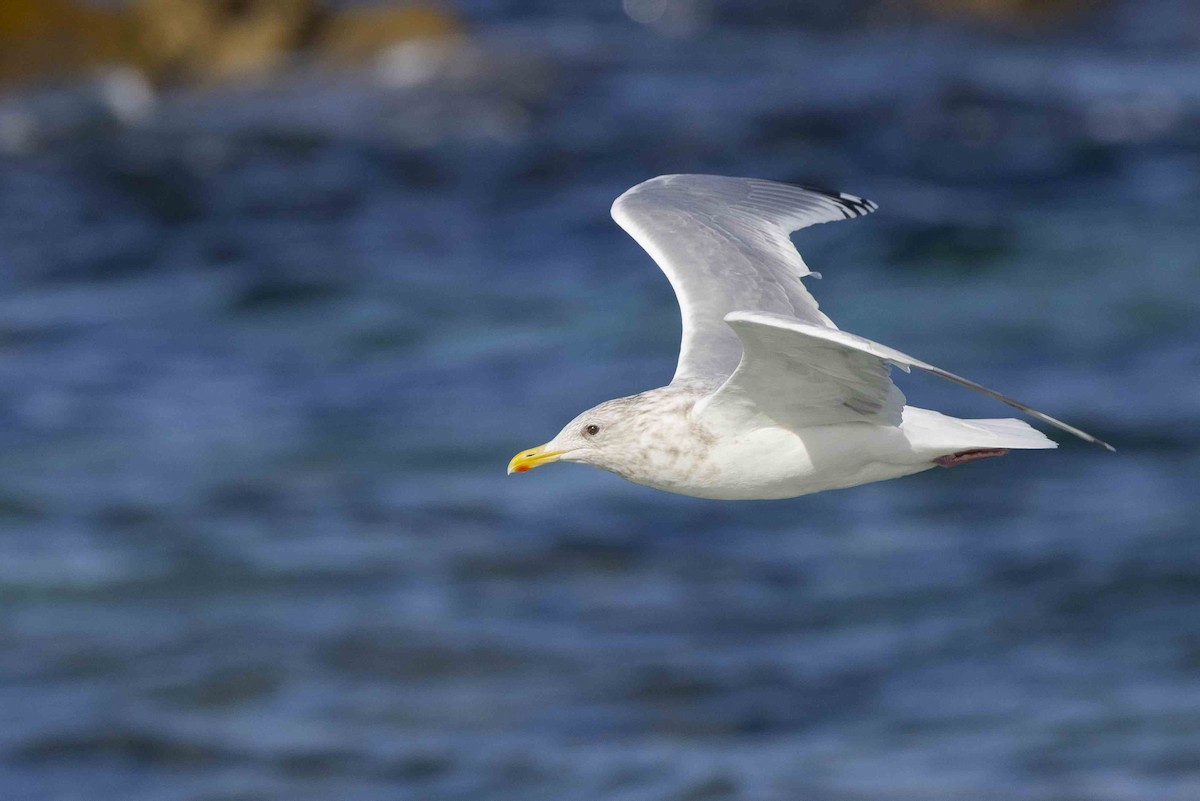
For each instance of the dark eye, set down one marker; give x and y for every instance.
(591, 430)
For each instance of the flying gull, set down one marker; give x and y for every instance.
(770, 399)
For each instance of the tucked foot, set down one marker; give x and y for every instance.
(962, 457)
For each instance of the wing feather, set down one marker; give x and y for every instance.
(723, 244)
(797, 374)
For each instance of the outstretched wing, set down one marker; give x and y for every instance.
(723, 244)
(797, 374)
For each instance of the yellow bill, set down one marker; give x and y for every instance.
(534, 457)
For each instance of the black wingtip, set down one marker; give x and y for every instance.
(1096, 441)
(851, 205)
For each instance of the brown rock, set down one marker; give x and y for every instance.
(357, 35)
(200, 41)
(57, 38)
(216, 40)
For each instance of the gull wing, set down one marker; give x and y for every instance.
(724, 246)
(796, 374)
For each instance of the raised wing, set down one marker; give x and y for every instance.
(723, 244)
(797, 374)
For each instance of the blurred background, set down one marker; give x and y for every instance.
(285, 283)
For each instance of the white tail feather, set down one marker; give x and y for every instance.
(1010, 433)
(932, 431)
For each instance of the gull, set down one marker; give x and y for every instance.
(770, 399)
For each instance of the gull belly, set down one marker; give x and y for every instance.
(772, 463)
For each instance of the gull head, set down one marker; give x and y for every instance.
(623, 436)
(591, 438)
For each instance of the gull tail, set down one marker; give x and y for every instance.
(933, 432)
(1007, 433)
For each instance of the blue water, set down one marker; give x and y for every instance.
(265, 352)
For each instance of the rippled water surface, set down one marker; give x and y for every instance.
(264, 354)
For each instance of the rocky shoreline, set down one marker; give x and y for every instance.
(202, 41)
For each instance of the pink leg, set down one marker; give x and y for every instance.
(962, 457)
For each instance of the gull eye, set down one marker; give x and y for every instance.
(591, 430)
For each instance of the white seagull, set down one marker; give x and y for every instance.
(770, 399)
